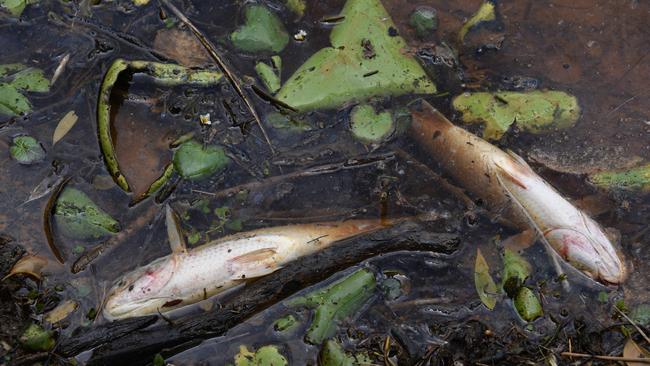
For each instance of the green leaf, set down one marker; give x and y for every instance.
(12, 103)
(296, 6)
(290, 123)
(635, 179)
(269, 76)
(194, 161)
(333, 354)
(10, 68)
(336, 302)
(15, 7)
(485, 286)
(515, 272)
(36, 338)
(484, 14)
(534, 111)
(26, 150)
(527, 304)
(77, 216)
(31, 80)
(364, 61)
(285, 323)
(369, 126)
(641, 314)
(262, 31)
(158, 359)
(265, 356)
(424, 19)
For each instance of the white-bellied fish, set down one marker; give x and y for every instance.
(189, 276)
(510, 187)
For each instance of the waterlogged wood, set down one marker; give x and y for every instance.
(65, 125)
(139, 346)
(485, 286)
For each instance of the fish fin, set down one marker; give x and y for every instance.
(518, 158)
(505, 173)
(256, 263)
(521, 240)
(174, 234)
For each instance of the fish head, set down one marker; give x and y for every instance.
(590, 251)
(139, 292)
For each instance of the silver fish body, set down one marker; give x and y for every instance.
(183, 278)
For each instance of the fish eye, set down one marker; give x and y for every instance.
(130, 288)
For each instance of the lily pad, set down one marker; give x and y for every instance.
(265, 356)
(26, 150)
(336, 302)
(78, 217)
(634, 179)
(35, 338)
(485, 286)
(285, 323)
(370, 126)
(333, 354)
(16, 79)
(262, 31)
(12, 102)
(269, 76)
(194, 161)
(366, 59)
(527, 304)
(31, 80)
(534, 111)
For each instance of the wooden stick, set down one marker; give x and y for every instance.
(645, 336)
(606, 358)
(222, 65)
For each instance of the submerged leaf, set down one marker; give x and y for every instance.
(527, 304)
(535, 111)
(632, 351)
(485, 286)
(26, 150)
(370, 126)
(77, 216)
(366, 59)
(13, 103)
(285, 323)
(31, 80)
(424, 19)
(265, 356)
(484, 14)
(333, 354)
(64, 126)
(194, 161)
(269, 76)
(30, 265)
(61, 311)
(35, 338)
(515, 271)
(262, 31)
(15, 7)
(634, 179)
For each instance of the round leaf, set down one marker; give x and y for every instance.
(26, 150)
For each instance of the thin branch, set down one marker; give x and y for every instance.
(606, 358)
(234, 81)
(645, 336)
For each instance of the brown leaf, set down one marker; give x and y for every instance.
(633, 350)
(64, 126)
(61, 311)
(30, 265)
(181, 46)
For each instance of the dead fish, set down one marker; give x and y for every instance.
(507, 185)
(189, 276)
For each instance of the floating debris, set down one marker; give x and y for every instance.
(78, 217)
(300, 36)
(485, 13)
(26, 150)
(424, 19)
(335, 302)
(634, 179)
(61, 311)
(29, 265)
(265, 356)
(534, 111)
(194, 161)
(335, 75)
(485, 286)
(370, 126)
(262, 31)
(35, 338)
(65, 124)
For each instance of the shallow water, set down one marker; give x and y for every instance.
(595, 50)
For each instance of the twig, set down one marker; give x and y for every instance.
(645, 336)
(222, 65)
(606, 358)
(317, 170)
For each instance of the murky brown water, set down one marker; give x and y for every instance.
(595, 50)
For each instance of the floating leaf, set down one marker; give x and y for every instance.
(336, 302)
(527, 304)
(31, 80)
(77, 216)
(181, 46)
(64, 126)
(366, 59)
(484, 14)
(285, 323)
(30, 265)
(292, 123)
(632, 351)
(61, 311)
(269, 76)
(36, 338)
(634, 179)
(485, 286)
(515, 272)
(332, 354)
(158, 360)
(262, 31)
(424, 19)
(194, 161)
(15, 7)
(13, 103)
(369, 126)
(296, 6)
(26, 150)
(534, 111)
(265, 356)
(641, 314)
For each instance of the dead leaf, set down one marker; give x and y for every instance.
(30, 265)
(485, 286)
(633, 350)
(64, 126)
(61, 311)
(181, 46)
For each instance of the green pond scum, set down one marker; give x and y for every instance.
(634, 179)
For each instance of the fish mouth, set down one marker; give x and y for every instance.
(114, 310)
